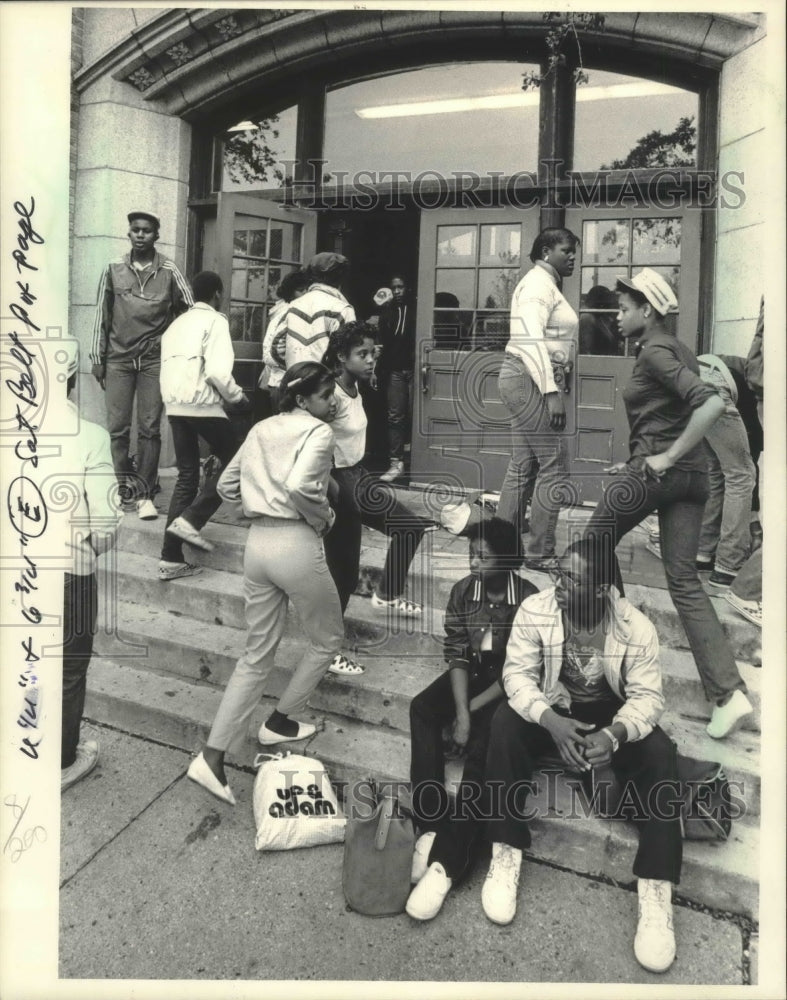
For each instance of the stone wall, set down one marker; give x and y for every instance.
(741, 225)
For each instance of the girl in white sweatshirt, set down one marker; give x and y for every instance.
(280, 475)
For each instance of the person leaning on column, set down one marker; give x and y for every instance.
(139, 295)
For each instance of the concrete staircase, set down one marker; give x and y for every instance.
(166, 650)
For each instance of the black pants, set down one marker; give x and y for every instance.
(197, 510)
(80, 608)
(363, 499)
(457, 824)
(513, 748)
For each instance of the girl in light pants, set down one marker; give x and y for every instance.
(281, 474)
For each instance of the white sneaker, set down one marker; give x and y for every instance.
(86, 760)
(400, 605)
(427, 898)
(186, 532)
(654, 942)
(146, 510)
(175, 570)
(751, 610)
(421, 856)
(498, 896)
(395, 470)
(726, 718)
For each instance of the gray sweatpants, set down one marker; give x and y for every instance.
(284, 560)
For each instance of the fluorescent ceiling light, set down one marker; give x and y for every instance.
(643, 88)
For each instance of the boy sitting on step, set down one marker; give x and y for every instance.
(477, 625)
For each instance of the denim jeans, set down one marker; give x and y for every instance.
(516, 744)
(80, 608)
(725, 523)
(679, 497)
(186, 432)
(538, 470)
(364, 500)
(400, 407)
(459, 825)
(125, 379)
(748, 583)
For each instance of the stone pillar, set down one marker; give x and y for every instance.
(130, 154)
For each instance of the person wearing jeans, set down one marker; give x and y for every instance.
(542, 340)
(196, 383)
(138, 297)
(583, 679)
(396, 366)
(670, 410)
(84, 465)
(477, 625)
(725, 537)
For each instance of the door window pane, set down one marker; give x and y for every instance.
(606, 242)
(500, 245)
(656, 241)
(257, 239)
(496, 286)
(456, 288)
(240, 241)
(456, 246)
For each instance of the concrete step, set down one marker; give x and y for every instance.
(179, 712)
(440, 561)
(215, 596)
(200, 651)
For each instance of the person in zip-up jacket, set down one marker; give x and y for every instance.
(396, 367)
(139, 295)
(196, 384)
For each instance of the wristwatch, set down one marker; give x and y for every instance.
(615, 743)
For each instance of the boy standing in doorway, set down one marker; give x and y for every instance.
(139, 295)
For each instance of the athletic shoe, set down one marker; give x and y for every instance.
(427, 898)
(498, 896)
(398, 604)
(721, 580)
(86, 760)
(705, 565)
(146, 510)
(751, 610)
(342, 664)
(654, 943)
(726, 718)
(175, 570)
(421, 856)
(186, 532)
(395, 471)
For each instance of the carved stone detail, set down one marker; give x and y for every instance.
(141, 78)
(180, 54)
(228, 27)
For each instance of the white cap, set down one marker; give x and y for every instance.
(382, 296)
(656, 289)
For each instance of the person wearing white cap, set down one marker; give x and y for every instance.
(83, 470)
(670, 410)
(139, 295)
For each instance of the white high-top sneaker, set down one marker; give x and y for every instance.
(654, 943)
(498, 896)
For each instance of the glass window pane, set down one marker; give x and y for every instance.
(237, 321)
(238, 290)
(455, 289)
(626, 122)
(240, 242)
(605, 242)
(471, 116)
(275, 275)
(491, 331)
(598, 334)
(496, 286)
(451, 328)
(456, 246)
(256, 288)
(256, 153)
(656, 241)
(598, 285)
(500, 245)
(254, 326)
(257, 242)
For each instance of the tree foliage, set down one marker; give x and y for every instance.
(251, 156)
(562, 40)
(662, 149)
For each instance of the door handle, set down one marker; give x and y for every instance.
(424, 378)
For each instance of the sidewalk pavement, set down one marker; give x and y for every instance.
(159, 880)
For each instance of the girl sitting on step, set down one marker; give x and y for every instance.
(281, 475)
(477, 627)
(362, 498)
